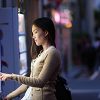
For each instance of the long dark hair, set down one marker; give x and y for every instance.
(46, 24)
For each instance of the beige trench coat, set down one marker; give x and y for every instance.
(44, 70)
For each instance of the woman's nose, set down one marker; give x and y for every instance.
(33, 36)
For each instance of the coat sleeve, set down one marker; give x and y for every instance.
(18, 91)
(51, 63)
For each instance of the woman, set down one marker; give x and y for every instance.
(44, 67)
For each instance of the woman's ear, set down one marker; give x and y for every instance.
(46, 33)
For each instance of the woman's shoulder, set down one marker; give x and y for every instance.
(53, 50)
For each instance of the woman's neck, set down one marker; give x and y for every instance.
(46, 46)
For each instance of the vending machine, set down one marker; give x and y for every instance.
(9, 46)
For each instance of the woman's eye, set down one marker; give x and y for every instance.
(35, 32)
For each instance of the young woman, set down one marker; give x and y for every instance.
(44, 67)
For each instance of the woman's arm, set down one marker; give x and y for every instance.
(16, 92)
(51, 63)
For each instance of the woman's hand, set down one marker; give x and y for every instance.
(4, 76)
(6, 98)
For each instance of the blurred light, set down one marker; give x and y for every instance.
(21, 21)
(62, 17)
(56, 16)
(68, 24)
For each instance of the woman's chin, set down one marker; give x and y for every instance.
(37, 44)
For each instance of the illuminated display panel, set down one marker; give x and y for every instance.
(22, 44)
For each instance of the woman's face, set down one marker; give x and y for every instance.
(38, 35)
